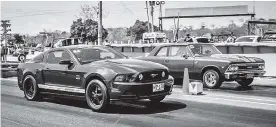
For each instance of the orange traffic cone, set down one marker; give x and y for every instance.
(186, 81)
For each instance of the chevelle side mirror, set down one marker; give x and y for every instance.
(186, 56)
(66, 62)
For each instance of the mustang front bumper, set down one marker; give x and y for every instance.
(244, 74)
(136, 91)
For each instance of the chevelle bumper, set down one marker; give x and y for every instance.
(244, 74)
(136, 91)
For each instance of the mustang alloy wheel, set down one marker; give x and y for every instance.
(211, 79)
(96, 95)
(30, 88)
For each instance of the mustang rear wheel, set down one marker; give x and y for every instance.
(211, 79)
(96, 95)
(157, 99)
(30, 88)
(245, 82)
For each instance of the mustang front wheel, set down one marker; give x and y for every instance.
(211, 79)
(30, 88)
(96, 95)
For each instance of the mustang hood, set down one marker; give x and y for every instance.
(237, 58)
(130, 65)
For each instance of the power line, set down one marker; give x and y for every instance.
(126, 7)
(45, 13)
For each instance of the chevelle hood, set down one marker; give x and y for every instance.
(237, 58)
(130, 65)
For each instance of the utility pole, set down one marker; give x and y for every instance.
(5, 24)
(45, 34)
(152, 3)
(100, 24)
(160, 3)
(148, 15)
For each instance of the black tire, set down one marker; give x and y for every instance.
(212, 83)
(97, 101)
(21, 58)
(157, 99)
(245, 82)
(30, 88)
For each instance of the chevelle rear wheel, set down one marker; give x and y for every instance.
(30, 88)
(211, 79)
(96, 95)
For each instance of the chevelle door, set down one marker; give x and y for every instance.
(176, 61)
(160, 56)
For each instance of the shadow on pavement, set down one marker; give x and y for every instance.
(133, 107)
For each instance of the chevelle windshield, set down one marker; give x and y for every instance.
(87, 55)
(203, 50)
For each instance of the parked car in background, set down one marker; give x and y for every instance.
(269, 36)
(195, 40)
(248, 39)
(96, 74)
(205, 62)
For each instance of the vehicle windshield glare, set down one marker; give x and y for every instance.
(90, 54)
(203, 49)
(245, 39)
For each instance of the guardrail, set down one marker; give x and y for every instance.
(226, 48)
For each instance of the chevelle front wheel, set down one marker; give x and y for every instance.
(211, 79)
(96, 95)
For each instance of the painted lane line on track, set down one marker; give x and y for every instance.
(204, 97)
(264, 99)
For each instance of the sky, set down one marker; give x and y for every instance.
(34, 16)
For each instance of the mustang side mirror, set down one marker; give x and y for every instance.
(66, 62)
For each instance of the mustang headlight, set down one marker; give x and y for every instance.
(233, 68)
(124, 78)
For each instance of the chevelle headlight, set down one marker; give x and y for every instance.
(124, 78)
(262, 67)
(233, 68)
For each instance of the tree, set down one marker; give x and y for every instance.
(88, 30)
(138, 29)
(18, 39)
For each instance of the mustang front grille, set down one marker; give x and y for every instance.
(152, 76)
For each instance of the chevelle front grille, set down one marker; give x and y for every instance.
(153, 76)
(249, 67)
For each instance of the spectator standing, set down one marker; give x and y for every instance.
(188, 38)
(231, 38)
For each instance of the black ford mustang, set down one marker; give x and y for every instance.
(96, 73)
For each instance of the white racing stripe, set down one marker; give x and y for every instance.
(61, 88)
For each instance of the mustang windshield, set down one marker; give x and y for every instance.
(90, 54)
(203, 49)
